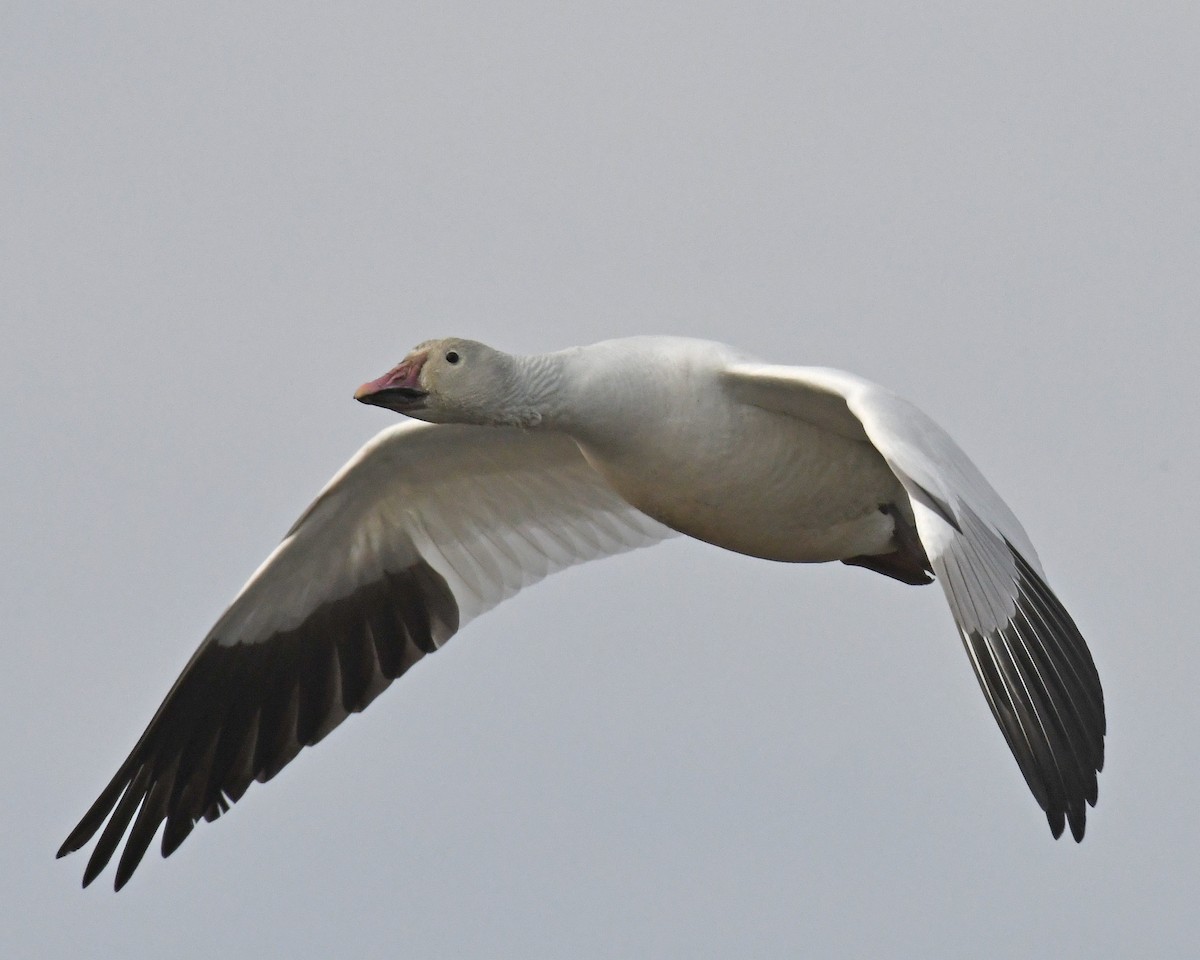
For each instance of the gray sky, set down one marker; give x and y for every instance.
(218, 219)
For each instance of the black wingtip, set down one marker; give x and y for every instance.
(78, 838)
(1043, 689)
(240, 713)
(1075, 817)
(93, 870)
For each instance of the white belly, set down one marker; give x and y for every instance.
(780, 489)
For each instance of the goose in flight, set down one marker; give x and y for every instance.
(529, 464)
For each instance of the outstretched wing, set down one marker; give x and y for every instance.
(1034, 667)
(424, 529)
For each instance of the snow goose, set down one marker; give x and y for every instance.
(531, 464)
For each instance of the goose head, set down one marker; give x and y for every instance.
(447, 381)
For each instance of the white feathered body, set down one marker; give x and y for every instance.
(729, 473)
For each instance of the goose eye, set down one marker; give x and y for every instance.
(452, 357)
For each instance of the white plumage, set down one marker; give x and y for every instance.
(532, 464)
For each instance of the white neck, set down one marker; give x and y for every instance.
(535, 391)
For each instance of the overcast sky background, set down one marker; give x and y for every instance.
(216, 220)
